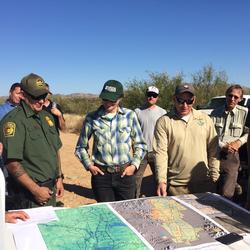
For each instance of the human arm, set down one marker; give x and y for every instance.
(11, 217)
(41, 194)
(213, 151)
(160, 147)
(139, 144)
(59, 180)
(82, 146)
(56, 110)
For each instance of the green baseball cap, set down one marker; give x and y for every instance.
(112, 90)
(34, 85)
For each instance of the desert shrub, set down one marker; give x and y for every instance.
(73, 123)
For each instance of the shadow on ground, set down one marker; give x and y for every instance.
(79, 190)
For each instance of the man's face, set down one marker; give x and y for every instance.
(233, 98)
(35, 104)
(109, 106)
(16, 95)
(184, 103)
(151, 98)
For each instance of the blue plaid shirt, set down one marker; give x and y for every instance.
(116, 140)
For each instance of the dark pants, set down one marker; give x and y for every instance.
(148, 159)
(20, 198)
(111, 187)
(229, 167)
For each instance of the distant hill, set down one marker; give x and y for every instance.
(87, 95)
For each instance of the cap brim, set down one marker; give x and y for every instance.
(108, 96)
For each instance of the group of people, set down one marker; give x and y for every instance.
(188, 151)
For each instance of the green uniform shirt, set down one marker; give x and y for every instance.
(31, 138)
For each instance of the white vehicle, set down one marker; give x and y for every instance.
(218, 101)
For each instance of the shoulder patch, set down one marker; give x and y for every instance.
(49, 121)
(9, 129)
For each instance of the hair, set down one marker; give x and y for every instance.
(232, 87)
(15, 85)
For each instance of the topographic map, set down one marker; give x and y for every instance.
(148, 223)
(90, 227)
(167, 224)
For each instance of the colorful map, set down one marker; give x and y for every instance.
(149, 223)
(167, 224)
(90, 227)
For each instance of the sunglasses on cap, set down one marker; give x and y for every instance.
(182, 101)
(152, 94)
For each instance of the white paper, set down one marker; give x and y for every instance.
(37, 215)
(28, 237)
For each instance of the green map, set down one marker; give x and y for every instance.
(90, 227)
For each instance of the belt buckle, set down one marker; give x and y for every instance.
(110, 170)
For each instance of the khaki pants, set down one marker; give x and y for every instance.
(192, 188)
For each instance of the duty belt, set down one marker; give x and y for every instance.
(114, 168)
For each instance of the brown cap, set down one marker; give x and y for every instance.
(184, 88)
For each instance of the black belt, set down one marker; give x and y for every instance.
(114, 168)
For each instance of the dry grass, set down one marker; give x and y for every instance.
(73, 123)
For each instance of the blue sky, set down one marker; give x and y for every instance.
(77, 45)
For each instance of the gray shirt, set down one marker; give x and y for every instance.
(147, 118)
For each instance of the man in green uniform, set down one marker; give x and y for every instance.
(31, 150)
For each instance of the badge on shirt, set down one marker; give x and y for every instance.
(9, 129)
(200, 122)
(49, 121)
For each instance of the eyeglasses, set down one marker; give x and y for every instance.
(152, 94)
(233, 96)
(182, 101)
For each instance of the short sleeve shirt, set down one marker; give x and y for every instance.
(33, 140)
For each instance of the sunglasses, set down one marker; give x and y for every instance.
(233, 96)
(152, 94)
(38, 98)
(182, 101)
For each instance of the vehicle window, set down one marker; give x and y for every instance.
(215, 103)
(248, 103)
(242, 102)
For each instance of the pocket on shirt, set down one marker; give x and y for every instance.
(34, 134)
(237, 129)
(124, 134)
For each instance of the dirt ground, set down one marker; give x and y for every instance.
(77, 182)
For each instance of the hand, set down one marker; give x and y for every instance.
(42, 195)
(162, 189)
(95, 170)
(130, 170)
(235, 145)
(59, 188)
(56, 112)
(11, 217)
(1, 148)
(228, 148)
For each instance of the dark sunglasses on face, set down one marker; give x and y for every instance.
(38, 98)
(182, 101)
(233, 96)
(151, 94)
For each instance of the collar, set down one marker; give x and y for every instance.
(101, 111)
(27, 109)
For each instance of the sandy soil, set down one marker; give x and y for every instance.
(77, 182)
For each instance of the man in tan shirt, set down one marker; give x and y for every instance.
(185, 144)
(229, 121)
